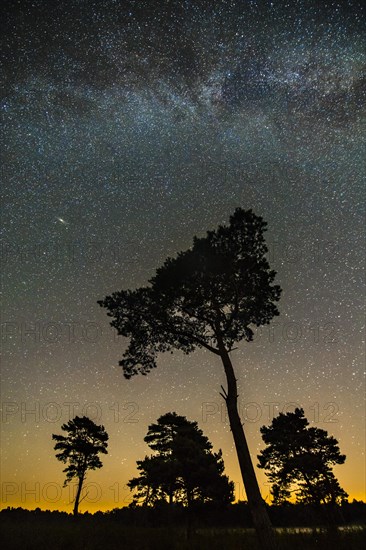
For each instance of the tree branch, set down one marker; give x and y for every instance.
(201, 318)
(223, 393)
(196, 339)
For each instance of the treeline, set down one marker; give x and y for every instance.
(203, 515)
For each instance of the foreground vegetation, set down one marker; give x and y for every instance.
(126, 528)
(74, 535)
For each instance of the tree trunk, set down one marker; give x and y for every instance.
(256, 504)
(77, 498)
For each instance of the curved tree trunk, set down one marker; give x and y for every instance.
(256, 504)
(77, 498)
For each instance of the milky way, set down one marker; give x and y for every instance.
(131, 126)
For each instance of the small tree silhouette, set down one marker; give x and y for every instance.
(183, 469)
(79, 449)
(300, 459)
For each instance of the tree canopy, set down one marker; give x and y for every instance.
(79, 449)
(299, 459)
(221, 285)
(183, 467)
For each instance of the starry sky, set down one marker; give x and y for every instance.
(129, 127)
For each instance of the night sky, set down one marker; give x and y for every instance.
(130, 127)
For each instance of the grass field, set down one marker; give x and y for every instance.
(76, 535)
